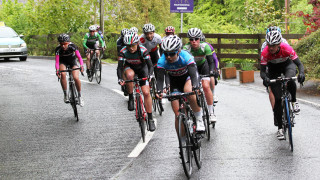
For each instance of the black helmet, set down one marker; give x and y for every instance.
(64, 38)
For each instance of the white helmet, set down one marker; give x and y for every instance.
(273, 37)
(130, 38)
(148, 28)
(124, 31)
(134, 29)
(203, 38)
(92, 28)
(171, 43)
(194, 33)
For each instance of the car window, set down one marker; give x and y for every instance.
(7, 33)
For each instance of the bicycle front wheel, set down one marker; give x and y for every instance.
(73, 102)
(140, 118)
(98, 70)
(289, 123)
(185, 146)
(205, 116)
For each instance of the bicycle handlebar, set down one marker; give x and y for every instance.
(136, 80)
(69, 70)
(180, 95)
(281, 79)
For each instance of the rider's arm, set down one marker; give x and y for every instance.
(263, 73)
(299, 65)
(160, 78)
(84, 41)
(100, 39)
(119, 44)
(147, 59)
(57, 61)
(215, 59)
(210, 62)
(120, 69)
(79, 57)
(193, 72)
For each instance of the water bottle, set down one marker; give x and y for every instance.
(190, 126)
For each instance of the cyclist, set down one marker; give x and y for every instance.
(66, 54)
(151, 40)
(90, 42)
(99, 31)
(169, 31)
(280, 58)
(120, 43)
(134, 59)
(203, 57)
(213, 80)
(183, 75)
(272, 28)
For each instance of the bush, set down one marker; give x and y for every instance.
(308, 50)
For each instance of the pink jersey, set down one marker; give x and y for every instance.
(286, 52)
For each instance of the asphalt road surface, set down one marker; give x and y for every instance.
(40, 138)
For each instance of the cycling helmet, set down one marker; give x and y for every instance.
(171, 43)
(273, 37)
(124, 32)
(203, 38)
(63, 38)
(134, 29)
(169, 29)
(92, 28)
(130, 38)
(97, 26)
(273, 28)
(194, 33)
(148, 28)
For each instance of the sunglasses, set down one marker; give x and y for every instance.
(92, 31)
(132, 45)
(170, 53)
(194, 39)
(64, 43)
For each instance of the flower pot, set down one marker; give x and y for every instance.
(229, 72)
(246, 76)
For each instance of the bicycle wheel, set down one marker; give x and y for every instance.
(98, 70)
(140, 118)
(288, 123)
(92, 68)
(185, 146)
(73, 102)
(205, 116)
(197, 149)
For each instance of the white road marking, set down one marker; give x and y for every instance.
(140, 146)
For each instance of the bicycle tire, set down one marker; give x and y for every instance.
(185, 146)
(205, 116)
(98, 70)
(197, 150)
(73, 101)
(288, 123)
(92, 67)
(142, 122)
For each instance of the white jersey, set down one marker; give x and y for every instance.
(151, 45)
(265, 43)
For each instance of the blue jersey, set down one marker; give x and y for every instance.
(179, 67)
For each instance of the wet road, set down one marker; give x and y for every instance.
(40, 139)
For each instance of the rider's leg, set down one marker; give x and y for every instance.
(147, 98)
(271, 98)
(64, 81)
(129, 75)
(98, 53)
(208, 94)
(175, 108)
(76, 79)
(88, 61)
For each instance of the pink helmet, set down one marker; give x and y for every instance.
(169, 29)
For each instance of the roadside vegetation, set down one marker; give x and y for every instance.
(43, 17)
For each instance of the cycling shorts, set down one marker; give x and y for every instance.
(92, 46)
(141, 72)
(203, 69)
(71, 61)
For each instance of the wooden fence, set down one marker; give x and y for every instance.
(242, 47)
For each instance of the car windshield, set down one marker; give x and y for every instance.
(7, 33)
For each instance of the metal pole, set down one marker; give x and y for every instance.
(101, 16)
(181, 22)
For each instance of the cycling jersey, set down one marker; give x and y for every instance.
(180, 68)
(91, 40)
(200, 53)
(264, 45)
(285, 52)
(68, 56)
(152, 45)
(135, 61)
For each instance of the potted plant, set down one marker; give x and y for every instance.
(229, 71)
(246, 73)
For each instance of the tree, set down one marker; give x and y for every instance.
(312, 21)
